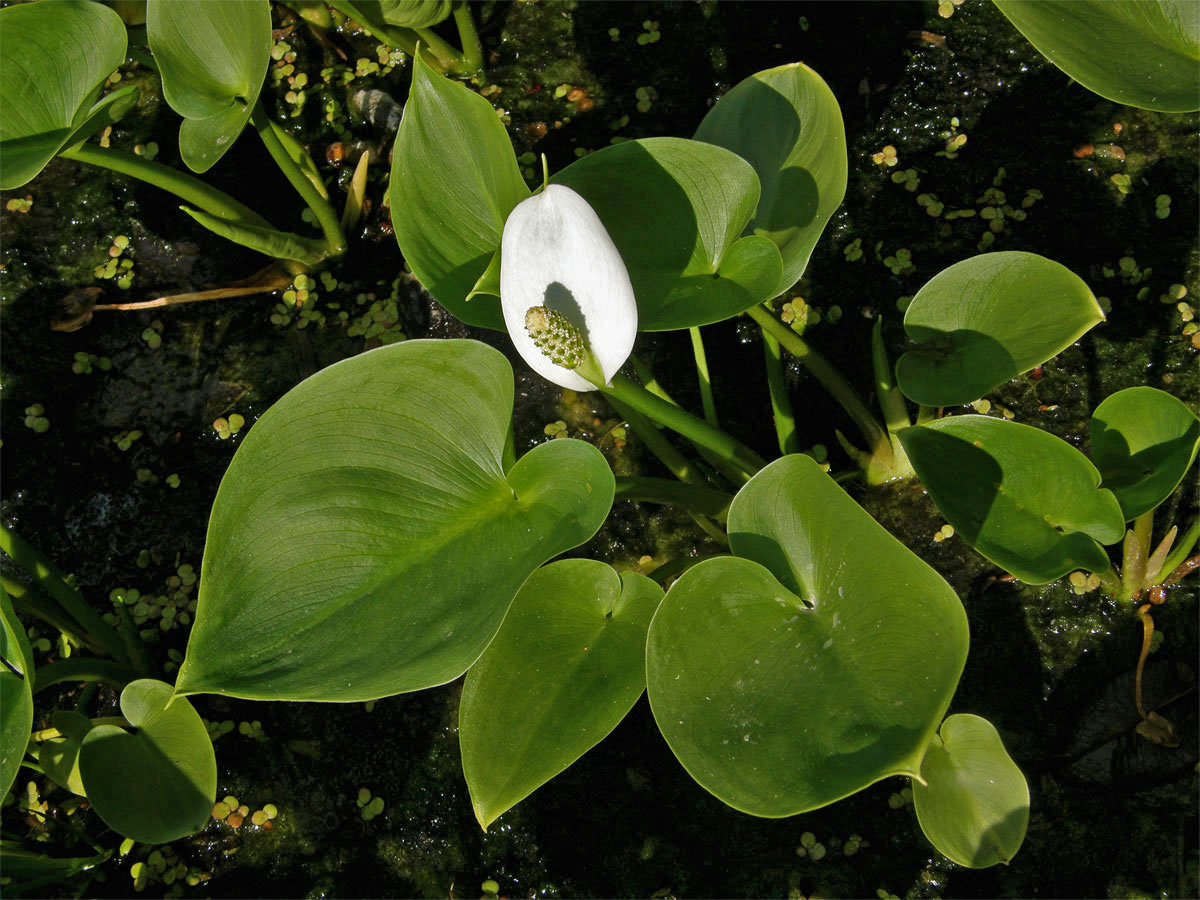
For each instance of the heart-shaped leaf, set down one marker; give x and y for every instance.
(1143, 441)
(1025, 499)
(59, 759)
(16, 693)
(567, 665)
(675, 210)
(786, 123)
(158, 783)
(455, 176)
(1142, 53)
(213, 57)
(366, 540)
(974, 802)
(988, 319)
(817, 665)
(57, 57)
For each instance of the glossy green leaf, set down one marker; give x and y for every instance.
(366, 540)
(567, 665)
(157, 783)
(57, 57)
(1025, 499)
(276, 244)
(414, 13)
(974, 803)
(786, 123)
(676, 210)
(213, 58)
(988, 319)
(816, 665)
(59, 758)
(455, 177)
(1143, 442)
(1138, 52)
(16, 693)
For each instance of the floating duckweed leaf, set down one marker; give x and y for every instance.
(57, 57)
(1143, 441)
(16, 693)
(817, 665)
(974, 803)
(786, 123)
(158, 783)
(988, 319)
(213, 57)
(566, 667)
(676, 210)
(1142, 53)
(455, 175)
(366, 540)
(1025, 499)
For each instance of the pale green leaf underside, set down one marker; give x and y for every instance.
(365, 540)
(1025, 499)
(974, 804)
(1143, 53)
(455, 175)
(1143, 442)
(676, 209)
(817, 665)
(567, 665)
(158, 783)
(56, 59)
(988, 319)
(786, 123)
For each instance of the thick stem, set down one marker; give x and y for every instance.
(335, 240)
(781, 402)
(832, 380)
(182, 185)
(724, 467)
(926, 414)
(695, 430)
(699, 500)
(83, 668)
(706, 394)
(891, 401)
(472, 49)
(48, 577)
(1136, 550)
(32, 602)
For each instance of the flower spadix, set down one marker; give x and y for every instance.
(564, 289)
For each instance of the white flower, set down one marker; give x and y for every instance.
(556, 254)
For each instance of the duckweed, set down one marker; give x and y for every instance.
(650, 35)
(810, 847)
(886, 156)
(35, 418)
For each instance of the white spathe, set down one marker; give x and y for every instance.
(556, 253)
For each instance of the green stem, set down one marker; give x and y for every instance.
(832, 380)
(734, 474)
(706, 394)
(1136, 551)
(1110, 581)
(675, 461)
(472, 49)
(699, 500)
(695, 430)
(182, 185)
(404, 38)
(48, 577)
(781, 402)
(34, 603)
(335, 240)
(83, 668)
(926, 414)
(1180, 553)
(451, 58)
(891, 401)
